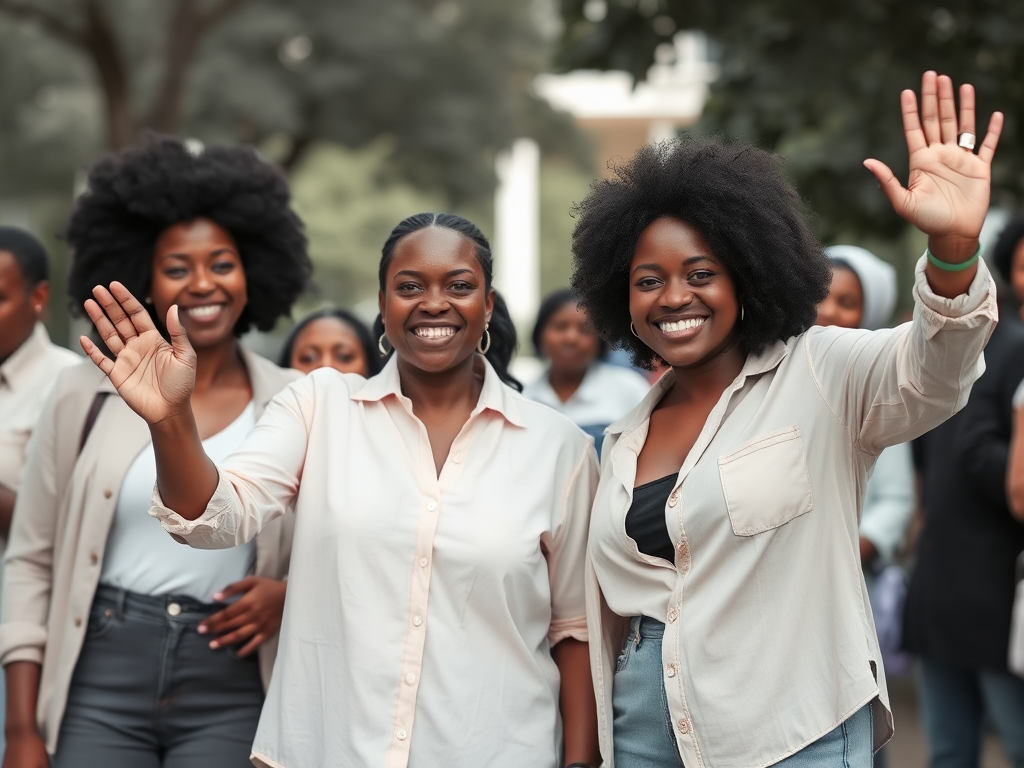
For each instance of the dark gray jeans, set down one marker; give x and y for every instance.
(148, 692)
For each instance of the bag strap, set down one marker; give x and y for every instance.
(90, 419)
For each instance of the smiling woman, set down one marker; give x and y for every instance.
(210, 239)
(436, 590)
(735, 485)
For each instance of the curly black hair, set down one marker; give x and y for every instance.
(1006, 245)
(738, 199)
(136, 194)
(370, 351)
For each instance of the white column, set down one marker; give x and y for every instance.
(517, 230)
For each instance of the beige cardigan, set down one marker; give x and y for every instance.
(62, 520)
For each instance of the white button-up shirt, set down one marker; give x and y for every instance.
(769, 642)
(26, 379)
(421, 609)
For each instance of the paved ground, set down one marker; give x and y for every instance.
(907, 748)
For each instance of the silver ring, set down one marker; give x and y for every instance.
(966, 140)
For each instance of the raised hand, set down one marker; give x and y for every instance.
(155, 378)
(947, 194)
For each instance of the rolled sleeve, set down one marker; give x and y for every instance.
(891, 386)
(566, 554)
(256, 484)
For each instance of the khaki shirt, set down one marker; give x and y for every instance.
(26, 378)
(62, 519)
(769, 641)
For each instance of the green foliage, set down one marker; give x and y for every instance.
(819, 83)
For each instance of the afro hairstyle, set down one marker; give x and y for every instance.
(136, 194)
(1006, 245)
(737, 198)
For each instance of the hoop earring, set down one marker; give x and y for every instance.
(634, 330)
(743, 313)
(380, 346)
(487, 346)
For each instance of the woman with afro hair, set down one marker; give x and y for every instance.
(730, 624)
(120, 646)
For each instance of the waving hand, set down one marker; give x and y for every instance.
(947, 193)
(155, 378)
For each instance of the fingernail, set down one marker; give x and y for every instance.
(218, 596)
(202, 630)
(214, 645)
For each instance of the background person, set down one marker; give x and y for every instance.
(436, 598)
(863, 295)
(960, 598)
(577, 381)
(331, 338)
(735, 484)
(29, 365)
(113, 635)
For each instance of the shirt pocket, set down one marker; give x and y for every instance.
(765, 482)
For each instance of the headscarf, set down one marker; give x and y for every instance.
(877, 283)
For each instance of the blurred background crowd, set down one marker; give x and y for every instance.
(504, 112)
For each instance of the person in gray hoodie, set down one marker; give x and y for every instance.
(863, 295)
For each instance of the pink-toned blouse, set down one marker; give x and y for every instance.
(421, 609)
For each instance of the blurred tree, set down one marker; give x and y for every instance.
(819, 83)
(449, 81)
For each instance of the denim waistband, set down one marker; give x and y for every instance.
(177, 607)
(646, 626)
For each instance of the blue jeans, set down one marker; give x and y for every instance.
(147, 691)
(642, 732)
(955, 700)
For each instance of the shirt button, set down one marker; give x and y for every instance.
(457, 458)
(684, 727)
(93, 558)
(402, 735)
(431, 506)
(673, 499)
(423, 562)
(673, 614)
(173, 609)
(671, 671)
(410, 678)
(107, 493)
(78, 621)
(417, 620)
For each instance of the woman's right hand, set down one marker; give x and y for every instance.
(26, 750)
(153, 377)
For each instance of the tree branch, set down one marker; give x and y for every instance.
(218, 12)
(51, 22)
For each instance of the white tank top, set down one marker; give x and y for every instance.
(141, 557)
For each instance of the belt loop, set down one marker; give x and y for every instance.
(122, 595)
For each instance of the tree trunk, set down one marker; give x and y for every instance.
(101, 43)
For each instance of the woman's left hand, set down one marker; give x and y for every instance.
(947, 194)
(255, 617)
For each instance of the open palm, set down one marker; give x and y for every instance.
(153, 377)
(947, 193)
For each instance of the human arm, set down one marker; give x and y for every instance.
(25, 747)
(7, 499)
(252, 619)
(890, 386)
(566, 557)
(1015, 465)
(577, 702)
(888, 504)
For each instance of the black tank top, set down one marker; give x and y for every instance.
(645, 520)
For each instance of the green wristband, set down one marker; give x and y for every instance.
(947, 267)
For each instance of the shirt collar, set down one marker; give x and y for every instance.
(754, 366)
(17, 366)
(494, 396)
